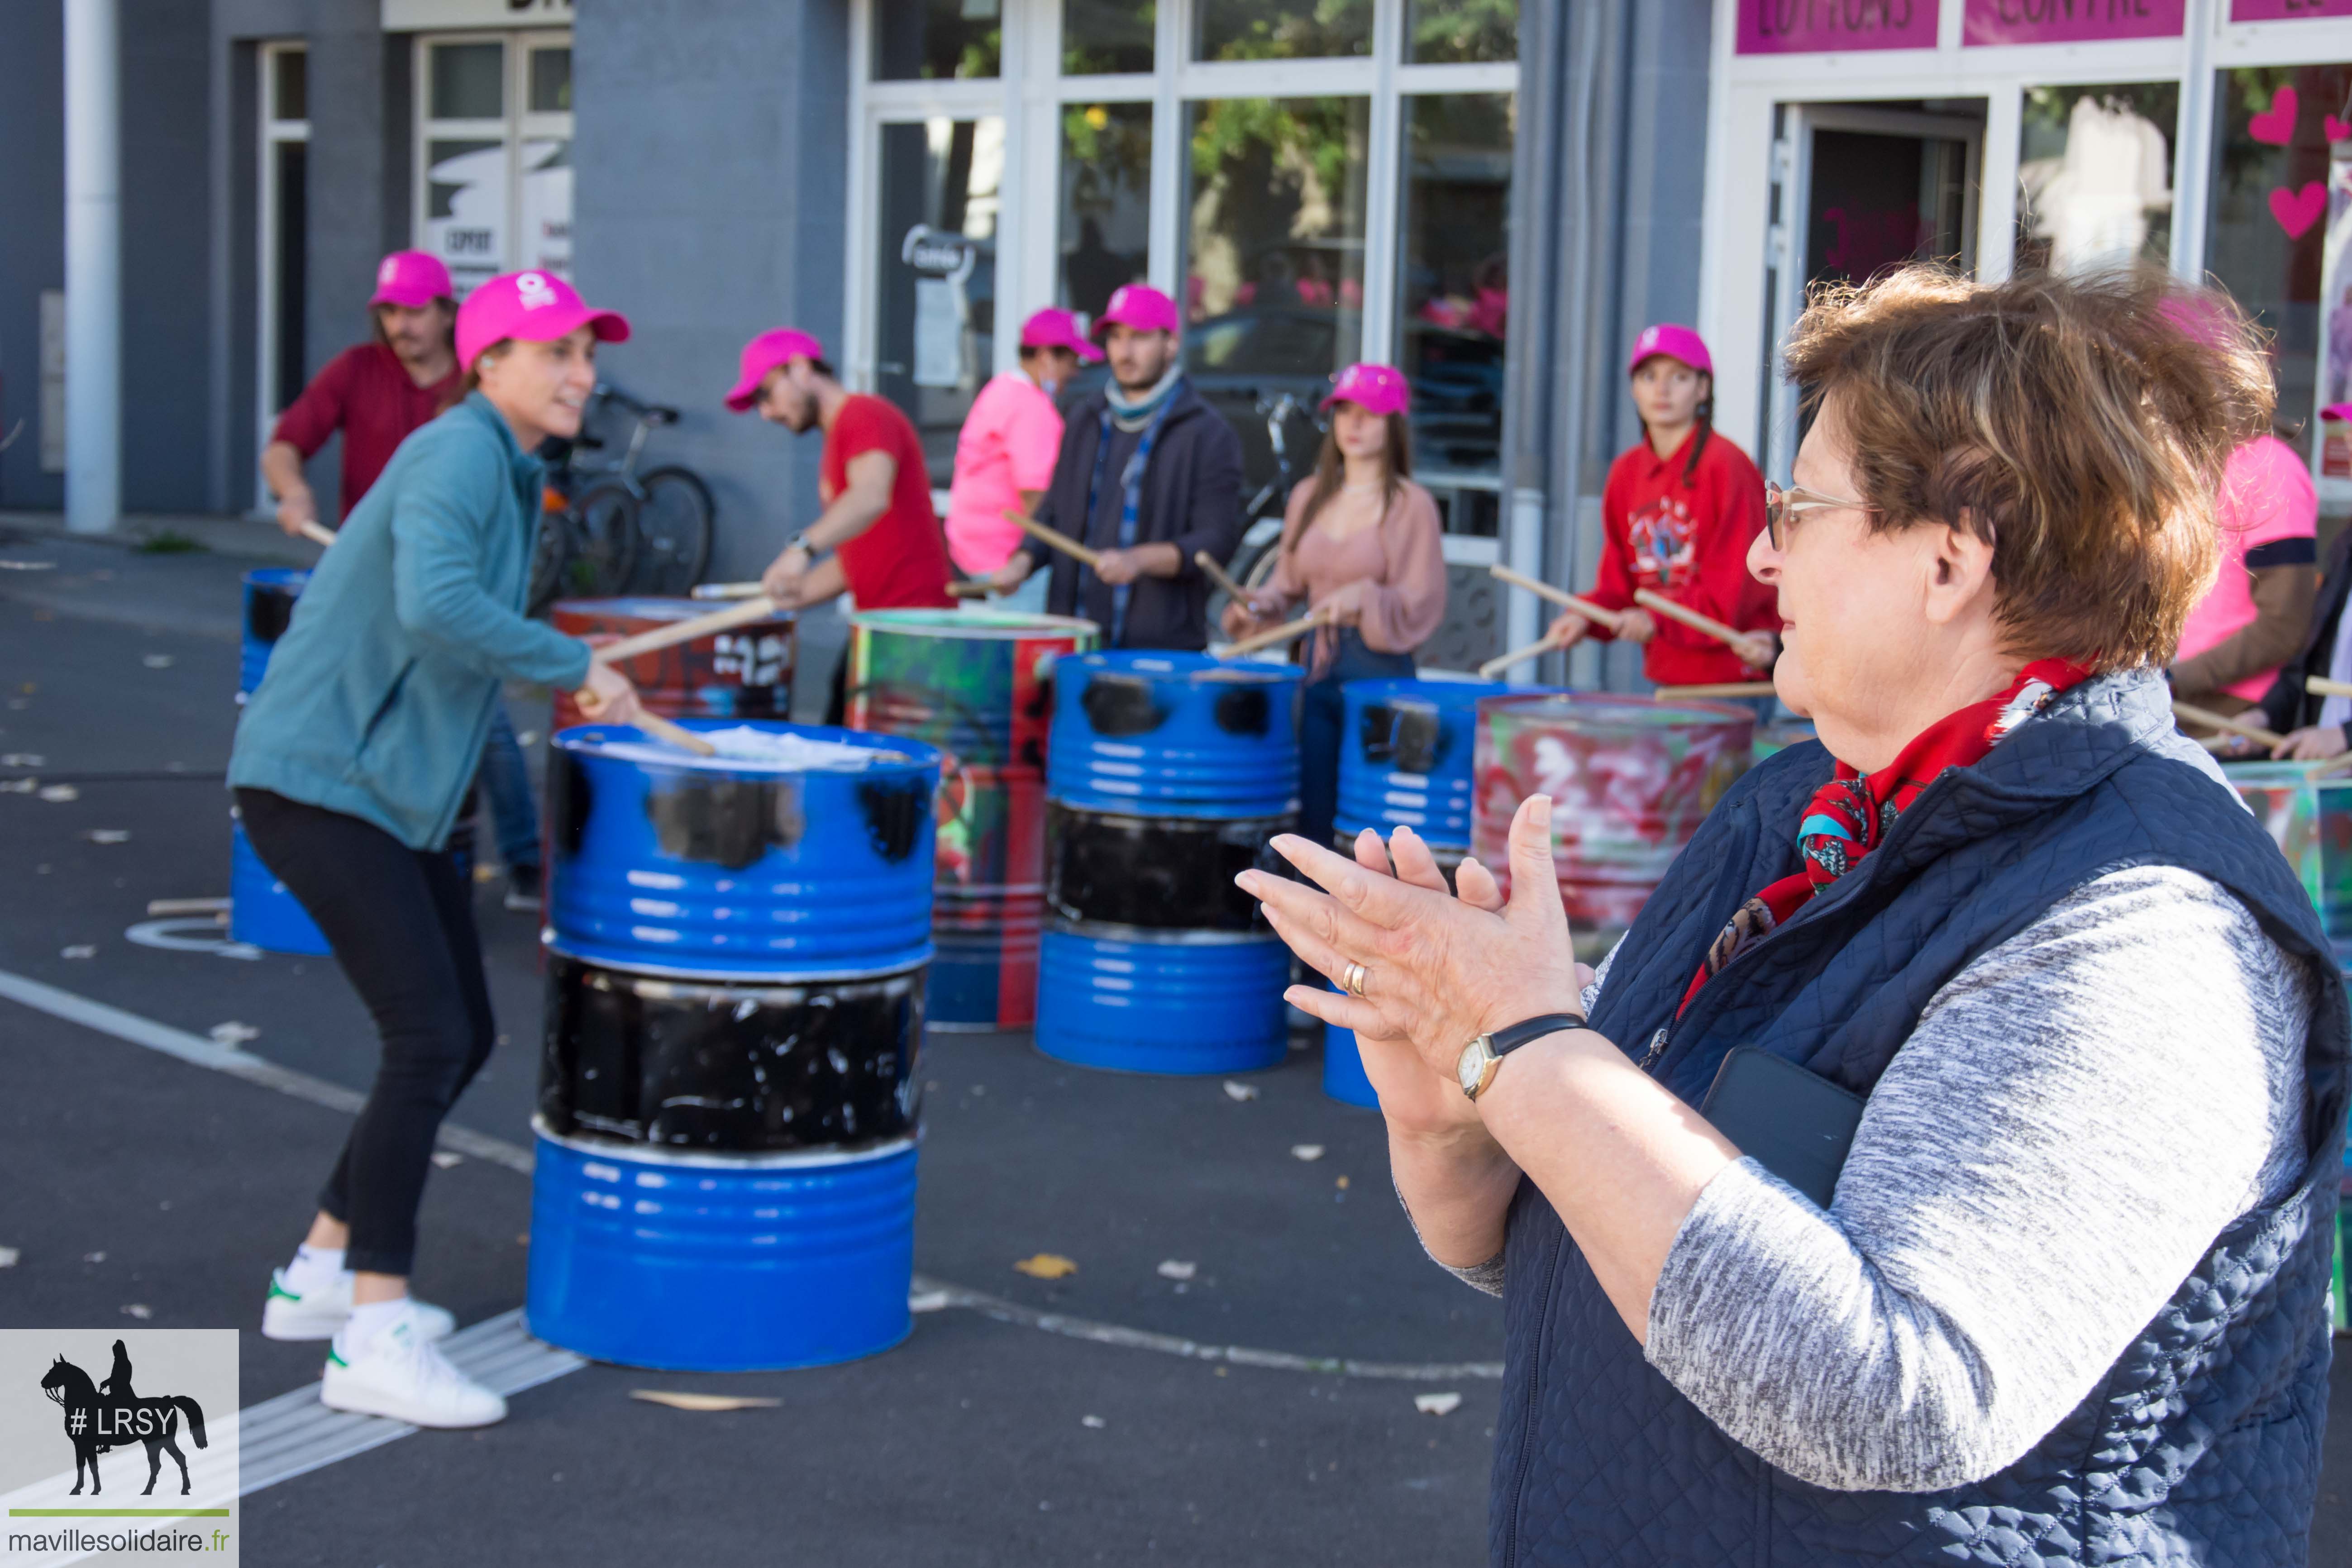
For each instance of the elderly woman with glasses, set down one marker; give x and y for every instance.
(1943, 1168)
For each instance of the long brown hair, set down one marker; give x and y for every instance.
(1332, 470)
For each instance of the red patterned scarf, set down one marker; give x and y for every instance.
(1850, 816)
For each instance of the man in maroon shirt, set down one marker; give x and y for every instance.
(375, 393)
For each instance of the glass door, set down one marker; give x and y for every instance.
(494, 153)
(282, 254)
(937, 200)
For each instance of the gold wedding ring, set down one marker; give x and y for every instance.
(1351, 980)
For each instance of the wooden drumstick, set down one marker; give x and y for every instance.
(1560, 596)
(725, 590)
(2213, 721)
(727, 620)
(968, 590)
(1290, 631)
(1220, 576)
(1717, 689)
(1494, 667)
(1660, 604)
(677, 735)
(2320, 686)
(1043, 535)
(317, 532)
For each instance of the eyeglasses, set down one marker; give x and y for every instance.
(1783, 502)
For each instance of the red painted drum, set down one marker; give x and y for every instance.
(978, 684)
(746, 673)
(1630, 780)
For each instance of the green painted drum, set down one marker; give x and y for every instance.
(1630, 780)
(2311, 822)
(978, 684)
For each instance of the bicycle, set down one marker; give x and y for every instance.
(1254, 558)
(611, 530)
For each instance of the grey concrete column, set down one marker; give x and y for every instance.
(93, 266)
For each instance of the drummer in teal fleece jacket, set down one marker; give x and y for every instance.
(350, 766)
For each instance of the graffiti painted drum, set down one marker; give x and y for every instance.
(978, 684)
(2310, 819)
(746, 673)
(1629, 779)
(730, 1086)
(1405, 754)
(1167, 773)
(262, 912)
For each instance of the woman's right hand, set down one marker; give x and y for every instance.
(1417, 1101)
(607, 697)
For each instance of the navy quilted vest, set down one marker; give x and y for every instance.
(2203, 1442)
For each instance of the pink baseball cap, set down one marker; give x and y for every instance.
(2337, 411)
(1052, 329)
(537, 307)
(1139, 306)
(765, 352)
(1374, 388)
(411, 278)
(1675, 343)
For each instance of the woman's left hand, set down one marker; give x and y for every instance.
(1437, 970)
(1344, 605)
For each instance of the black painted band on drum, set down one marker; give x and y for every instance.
(269, 610)
(1157, 873)
(749, 1068)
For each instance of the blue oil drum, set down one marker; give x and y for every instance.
(669, 863)
(262, 912)
(269, 595)
(729, 1084)
(1166, 775)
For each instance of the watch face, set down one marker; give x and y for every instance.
(1471, 1065)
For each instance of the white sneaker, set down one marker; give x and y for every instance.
(402, 1374)
(321, 1313)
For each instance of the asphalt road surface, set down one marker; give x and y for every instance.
(129, 1179)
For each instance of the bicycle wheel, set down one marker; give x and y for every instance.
(550, 560)
(674, 522)
(605, 517)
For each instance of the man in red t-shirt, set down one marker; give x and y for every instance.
(888, 552)
(375, 393)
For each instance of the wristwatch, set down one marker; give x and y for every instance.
(800, 541)
(1481, 1056)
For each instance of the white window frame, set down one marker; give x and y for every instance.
(1743, 92)
(272, 132)
(517, 125)
(1031, 94)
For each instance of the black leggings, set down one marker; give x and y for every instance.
(401, 922)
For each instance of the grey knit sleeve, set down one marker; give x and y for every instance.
(2078, 1113)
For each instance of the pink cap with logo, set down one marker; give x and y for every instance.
(1052, 329)
(1675, 343)
(537, 307)
(1374, 388)
(411, 278)
(765, 352)
(2337, 411)
(1140, 307)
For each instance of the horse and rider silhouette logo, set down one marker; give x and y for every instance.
(110, 1415)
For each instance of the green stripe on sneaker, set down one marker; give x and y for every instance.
(336, 1356)
(278, 1290)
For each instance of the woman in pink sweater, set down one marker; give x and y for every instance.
(1359, 541)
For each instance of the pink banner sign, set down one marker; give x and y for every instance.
(1823, 26)
(2287, 10)
(1989, 22)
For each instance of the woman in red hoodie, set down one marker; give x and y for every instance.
(1678, 515)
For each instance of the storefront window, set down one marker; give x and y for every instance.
(1105, 214)
(1445, 31)
(495, 155)
(1108, 36)
(2276, 238)
(290, 98)
(469, 81)
(1281, 30)
(1452, 278)
(935, 321)
(550, 80)
(937, 40)
(2095, 175)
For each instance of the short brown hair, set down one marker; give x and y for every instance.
(2079, 424)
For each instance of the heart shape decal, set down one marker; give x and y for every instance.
(2296, 211)
(2337, 130)
(2275, 125)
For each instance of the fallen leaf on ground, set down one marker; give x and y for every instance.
(1235, 1090)
(157, 660)
(1341, 1183)
(8, 1255)
(140, 1311)
(677, 1399)
(23, 760)
(58, 793)
(1437, 1404)
(233, 1033)
(1046, 1266)
(80, 949)
(108, 836)
(444, 1159)
(1306, 1151)
(1097, 1422)
(1173, 1268)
